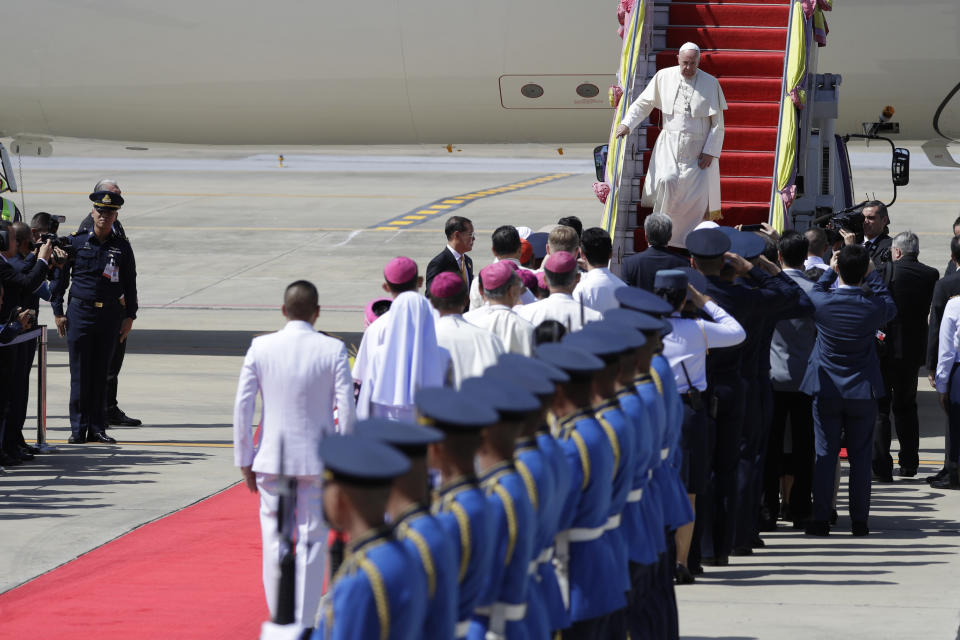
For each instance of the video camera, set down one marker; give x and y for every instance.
(61, 242)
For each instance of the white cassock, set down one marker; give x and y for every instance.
(596, 288)
(692, 124)
(514, 332)
(301, 375)
(476, 298)
(407, 358)
(471, 348)
(562, 308)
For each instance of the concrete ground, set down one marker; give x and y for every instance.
(219, 233)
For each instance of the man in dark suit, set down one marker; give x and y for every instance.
(951, 265)
(843, 376)
(902, 351)
(460, 237)
(640, 269)
(946, 288)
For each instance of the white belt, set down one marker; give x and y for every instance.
(664, 453)
(650, 474)
(545, 556)
(635, 495)
(612, 522)
(561, 563)
(461, 629)
(499, 614)
(585, 535)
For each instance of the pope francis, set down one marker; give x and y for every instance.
(683, 179)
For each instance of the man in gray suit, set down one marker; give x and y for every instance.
(789, 351)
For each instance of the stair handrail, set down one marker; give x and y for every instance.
(634, 37)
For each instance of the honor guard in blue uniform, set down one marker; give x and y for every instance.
(421, 533)
(648, 601)
(541, 379)
(677, 510)
(460, 503)
(511, 492)
(608, 342)
(102, 305)
(584, 558)
(379, 592)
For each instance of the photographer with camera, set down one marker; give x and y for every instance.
(16, 285)
(102, 305)
(876, 236)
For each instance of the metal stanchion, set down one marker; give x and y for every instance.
(42, 391)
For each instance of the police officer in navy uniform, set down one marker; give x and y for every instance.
(102, 305)
(115, 415)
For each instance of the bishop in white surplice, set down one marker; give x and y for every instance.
(683, 179)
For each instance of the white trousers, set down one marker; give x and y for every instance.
(311, 549)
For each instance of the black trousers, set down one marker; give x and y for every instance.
(116, 363)
(7, 364)
(795, 408)
(19, 392)
(900, 381)
(717, 508)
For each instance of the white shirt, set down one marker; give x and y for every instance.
(300, 375)
(515, 333)
(471, 348)
(949, 350)
(560, 307)
(686, 346)
(596, 288)
(814, 262)
(371, 341)
(476, 298)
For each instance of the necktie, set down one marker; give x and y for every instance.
(463, 268)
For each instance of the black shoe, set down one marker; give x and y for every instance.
(817, 528)
(939, 475)
(117, 417)
(719, 561)
(682, 575)
(785, 513)
(834, 516)
(696, 569)
(24, 454)
(886, 476)
(742, 551)
(859, 529)
(768, 525)
(100, 436)
(77, 439)
(757, 542)
(6, 460)
(952, 481)
(32, 449)
(907, 472)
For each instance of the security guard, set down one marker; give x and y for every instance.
(541, 379)
(460, 503)
(421, 533)
(103, 272)
(115, 415)
(378, 592)
(503, 607)
(606, 341)
(584, 558)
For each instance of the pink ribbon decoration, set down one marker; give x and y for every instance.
(615, 93)
(799, 97)
(788, 195)
(602, 191)
(809, 6)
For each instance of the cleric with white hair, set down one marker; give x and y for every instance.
(683, 179)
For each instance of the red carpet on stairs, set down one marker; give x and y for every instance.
(193, 574)
(742, 44)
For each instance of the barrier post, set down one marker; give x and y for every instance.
(42, 390)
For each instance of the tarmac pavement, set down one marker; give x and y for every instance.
(219, 233)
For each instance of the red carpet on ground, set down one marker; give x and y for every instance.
(193, 574)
